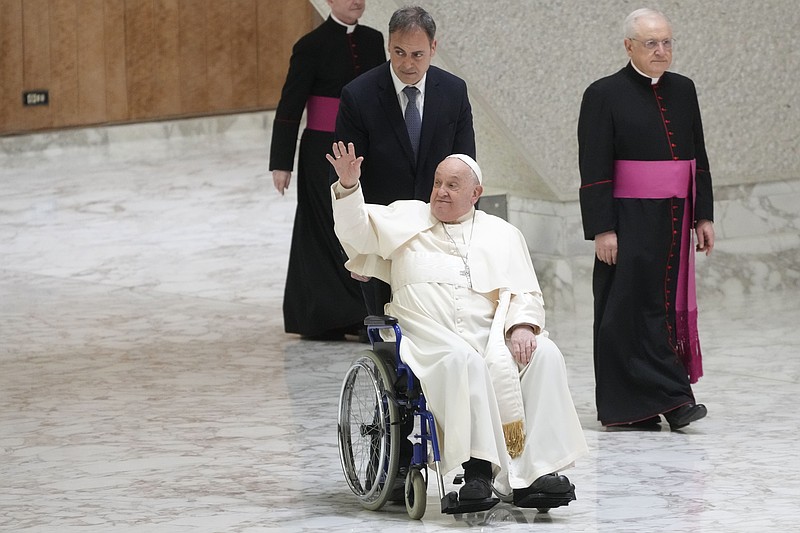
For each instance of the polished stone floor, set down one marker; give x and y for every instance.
(146, 384)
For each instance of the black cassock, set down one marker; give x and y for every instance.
(638, 370)
(320, 298)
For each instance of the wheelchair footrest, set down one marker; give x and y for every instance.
(452, 505)
(544, 500)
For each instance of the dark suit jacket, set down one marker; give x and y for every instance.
(370, 117)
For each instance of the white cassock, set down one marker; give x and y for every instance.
(446, 309)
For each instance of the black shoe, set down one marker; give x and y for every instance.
(550, 490)
(478, 488)
(550, 484)
(477, 480)
(685, 415)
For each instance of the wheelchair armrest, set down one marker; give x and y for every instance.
(380, 320)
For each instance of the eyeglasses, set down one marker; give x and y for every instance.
(652, 44)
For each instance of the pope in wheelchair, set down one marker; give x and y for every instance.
(465, 292)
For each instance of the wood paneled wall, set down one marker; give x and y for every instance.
(112, 61)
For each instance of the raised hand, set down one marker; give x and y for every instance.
(346, 164)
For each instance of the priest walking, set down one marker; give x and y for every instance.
(645, 194)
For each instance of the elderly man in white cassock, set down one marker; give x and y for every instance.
(466, 295)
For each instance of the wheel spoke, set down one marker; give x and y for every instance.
(367, 440)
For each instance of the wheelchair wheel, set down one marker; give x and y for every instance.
(416, 494)
(369, 438)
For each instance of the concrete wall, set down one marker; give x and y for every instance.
(532, 61)
(527, 64)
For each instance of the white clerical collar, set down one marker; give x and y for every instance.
(399, 85)
(463, 218)
(653, 80)
(350, 27)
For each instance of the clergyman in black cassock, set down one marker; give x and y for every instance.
(321, 300)
(640, 132)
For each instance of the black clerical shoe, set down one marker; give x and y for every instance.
(548, 483)
(550, 490)
(478, 488)
(685, 415)
(477, 480)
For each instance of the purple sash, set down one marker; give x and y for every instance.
(321, 113)
(671, 179)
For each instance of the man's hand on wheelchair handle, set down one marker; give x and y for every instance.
(346, 164)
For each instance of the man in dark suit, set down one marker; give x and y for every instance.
(405, 117)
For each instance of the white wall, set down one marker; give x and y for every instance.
(527, 64)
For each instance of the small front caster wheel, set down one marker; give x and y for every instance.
(416, 493)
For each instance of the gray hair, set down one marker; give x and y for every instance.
(412, 18)
(630, 25)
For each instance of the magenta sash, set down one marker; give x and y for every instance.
(321, 113)
(671, 179)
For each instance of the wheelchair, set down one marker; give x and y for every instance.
(378, 395)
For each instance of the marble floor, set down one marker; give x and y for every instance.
(146, 384)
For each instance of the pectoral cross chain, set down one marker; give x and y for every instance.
(466, 274)
(464, 258)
